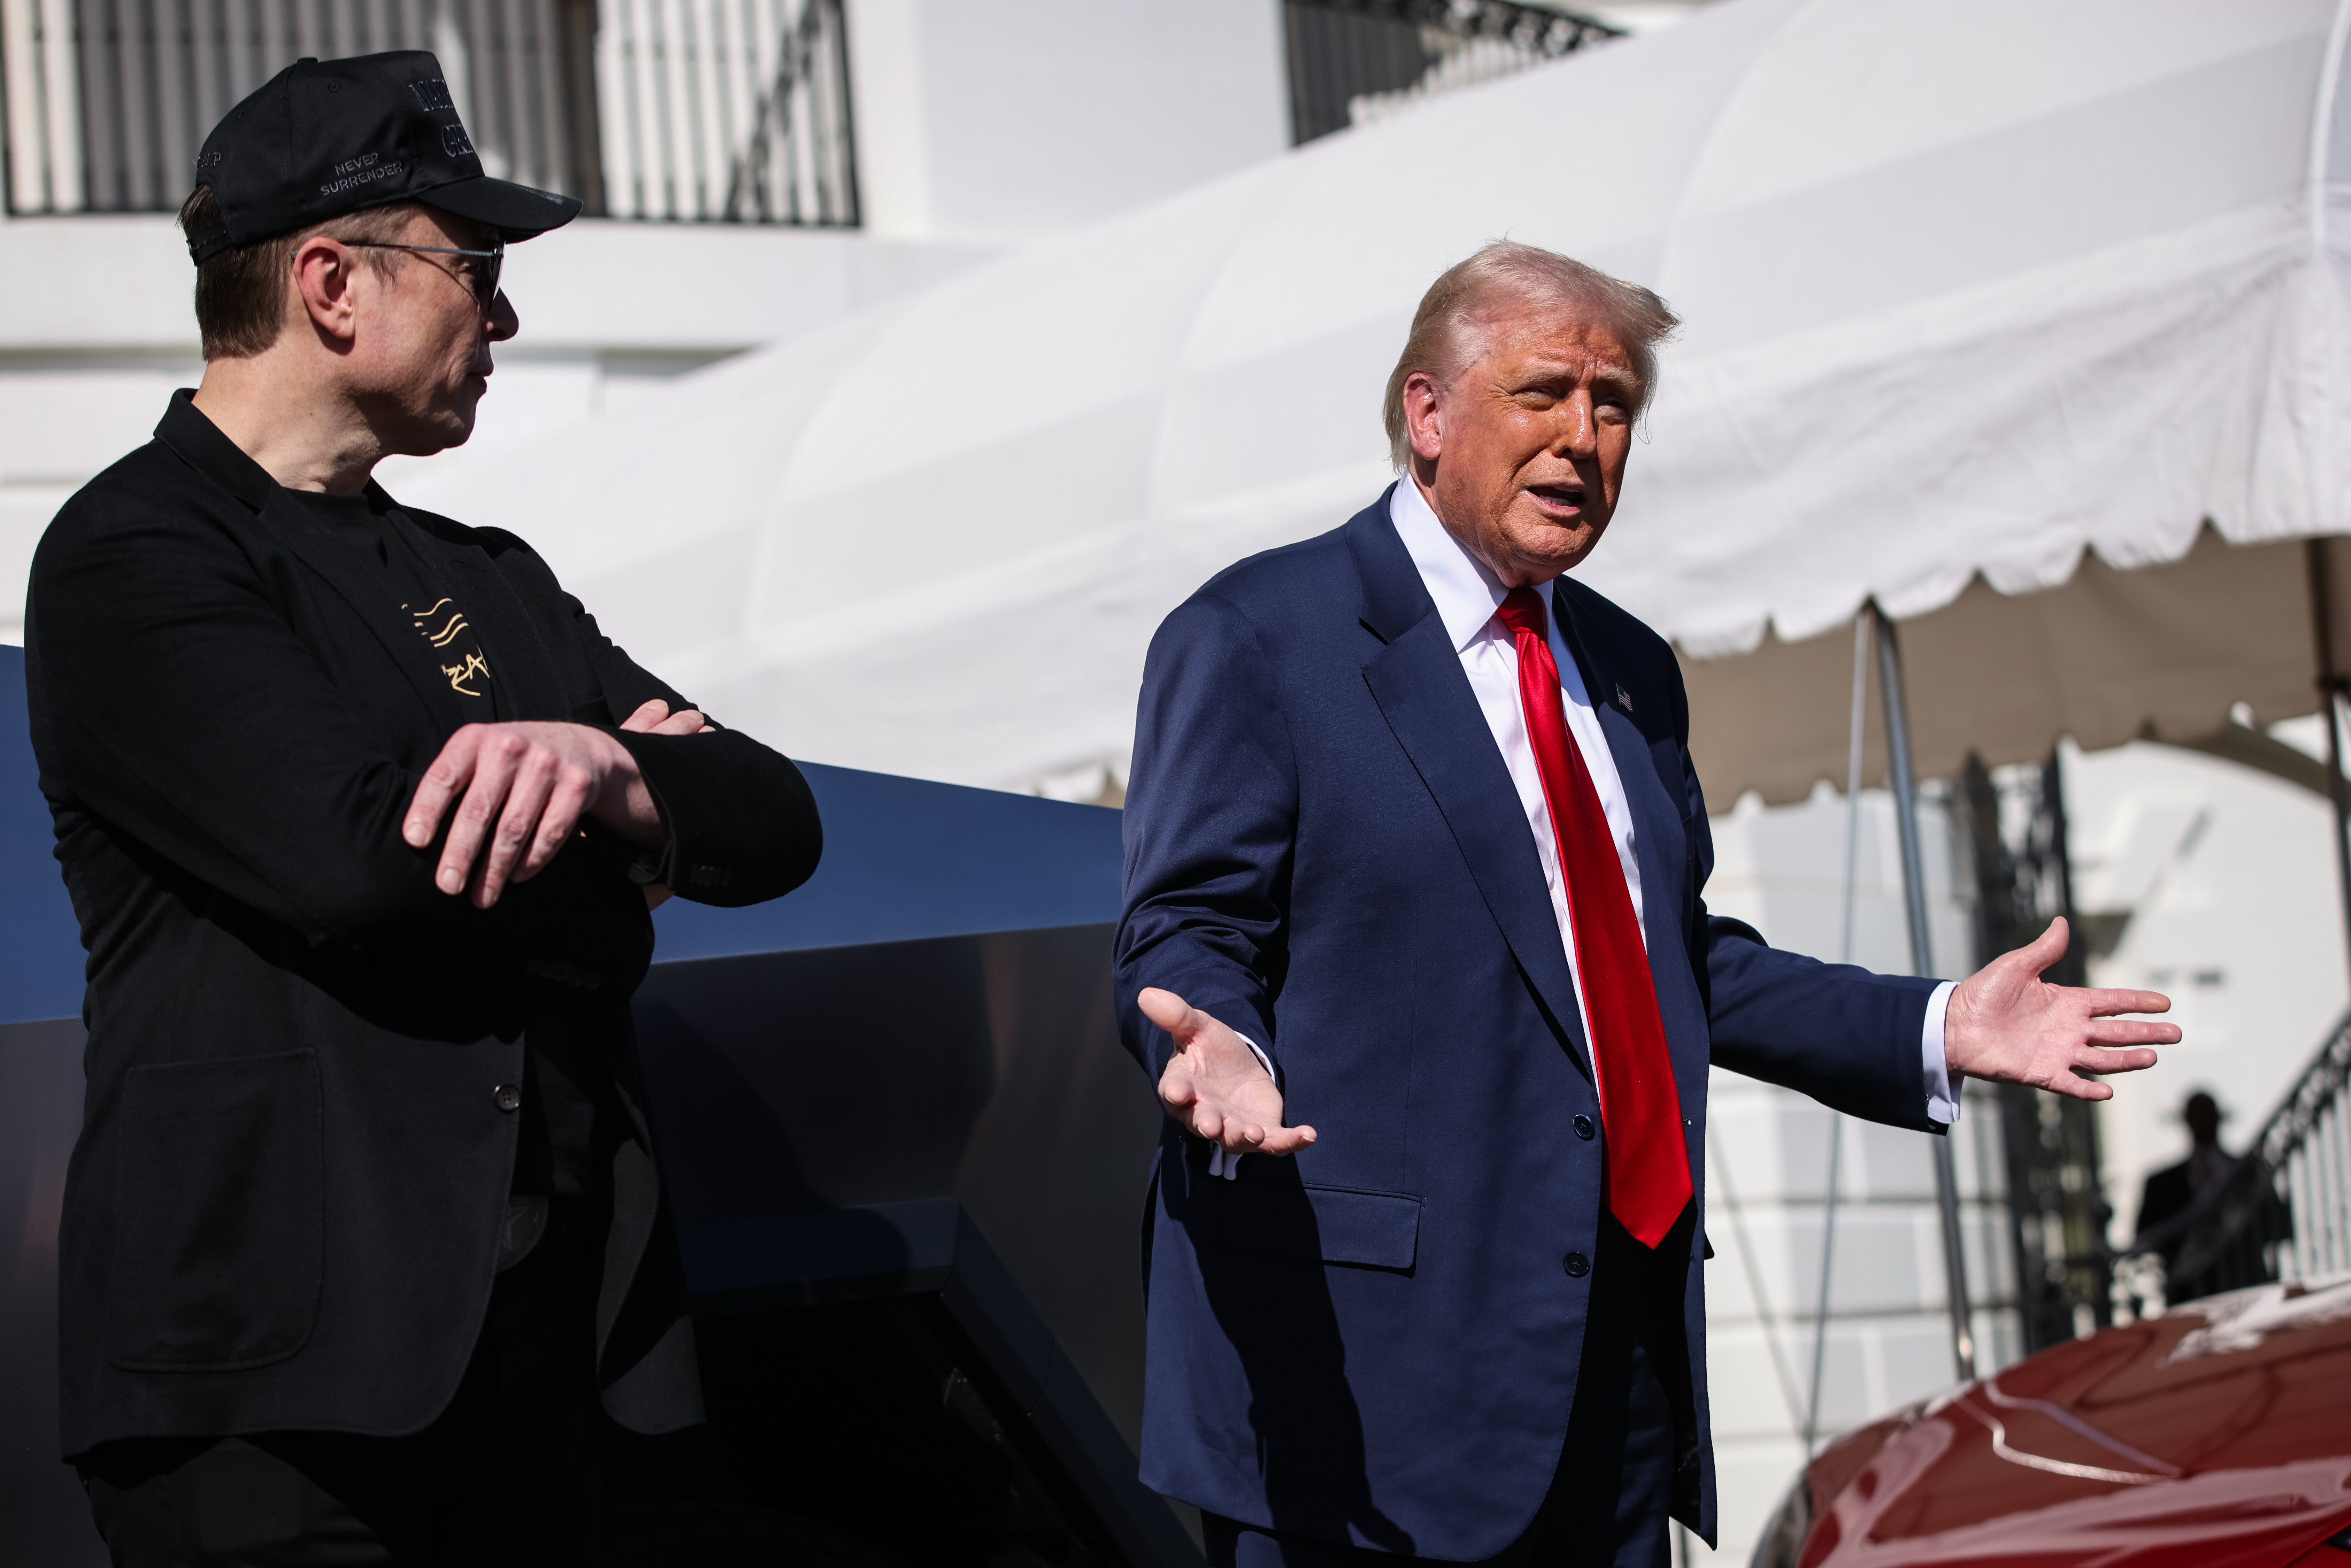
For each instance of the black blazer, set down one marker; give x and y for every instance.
(283, 1209)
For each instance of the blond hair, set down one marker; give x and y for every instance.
(1449, 329)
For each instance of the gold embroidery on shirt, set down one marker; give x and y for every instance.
(439, 624)
(460, 673)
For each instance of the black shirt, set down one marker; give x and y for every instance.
(371, 525)
(565, 1080)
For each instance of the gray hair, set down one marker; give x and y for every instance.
(1448, 328)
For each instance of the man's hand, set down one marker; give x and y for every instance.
(520, 790)
(1214, 1085)
(653, 717)
(2005, 1023)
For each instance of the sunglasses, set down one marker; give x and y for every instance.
(481, 269)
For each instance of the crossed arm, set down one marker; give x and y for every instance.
(2004, 1024)
(174, 700)
(520, 790)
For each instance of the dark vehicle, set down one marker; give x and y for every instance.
(906, 1159)
(2215, 1436)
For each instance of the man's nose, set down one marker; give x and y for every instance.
(1578, 434)
(504, 322)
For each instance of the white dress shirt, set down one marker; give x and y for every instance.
(1467, 596)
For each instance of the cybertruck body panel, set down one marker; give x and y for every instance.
(906, 1162)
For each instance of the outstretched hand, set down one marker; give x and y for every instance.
(2007, 1024)
(1214, 1085)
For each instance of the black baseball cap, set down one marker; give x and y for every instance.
(323, 138)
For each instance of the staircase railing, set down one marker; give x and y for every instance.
(798, 166)
(1356, 60)
(2282, 1212)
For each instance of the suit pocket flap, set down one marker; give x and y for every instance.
(1332, 1224)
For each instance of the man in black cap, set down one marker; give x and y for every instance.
(362, 817)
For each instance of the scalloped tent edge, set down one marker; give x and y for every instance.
(2152, 653)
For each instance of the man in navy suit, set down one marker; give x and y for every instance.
(1414, 948)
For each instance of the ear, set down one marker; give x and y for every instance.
(325, 286)
(1424, 417)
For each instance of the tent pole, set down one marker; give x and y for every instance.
(2331, 692)
(1922, 960)
(1844, 955)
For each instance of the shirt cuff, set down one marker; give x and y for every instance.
(1223, 1162)
(1943, 1084)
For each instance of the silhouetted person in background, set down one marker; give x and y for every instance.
(2227, 1245)
(2172, 1191)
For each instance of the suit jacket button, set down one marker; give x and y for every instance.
(508, 1096)
(1577, 1265)
(1584, 1126)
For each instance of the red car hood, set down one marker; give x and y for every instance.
(2217, 1435)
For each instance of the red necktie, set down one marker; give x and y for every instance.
(1640, 1109)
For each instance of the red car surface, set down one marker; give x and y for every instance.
(2216, 1436)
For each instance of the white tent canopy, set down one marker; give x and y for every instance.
(1970, 286)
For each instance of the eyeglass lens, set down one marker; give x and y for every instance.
(484, 273)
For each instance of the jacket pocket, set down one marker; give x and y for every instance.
(219, 1225)
(1330, 1224)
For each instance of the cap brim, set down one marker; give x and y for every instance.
(517, 212)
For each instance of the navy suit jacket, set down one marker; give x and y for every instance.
(1376, 1341)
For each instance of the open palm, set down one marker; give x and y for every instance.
(2007, 1024)
(1214, 1085)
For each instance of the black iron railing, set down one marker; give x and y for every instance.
(2282, 1212)
(729, 110)
(1356, 60)
(2015, 822)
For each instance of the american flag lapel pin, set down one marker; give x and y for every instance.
(1623, 699)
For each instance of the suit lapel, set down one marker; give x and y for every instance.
(1657, 818)
(202, 445)
(1417, 682)
(300, 535)
(1657, 833)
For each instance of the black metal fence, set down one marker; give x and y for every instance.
(734, 111)
(684, 109)
(2015, 823)
(1356, 60)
